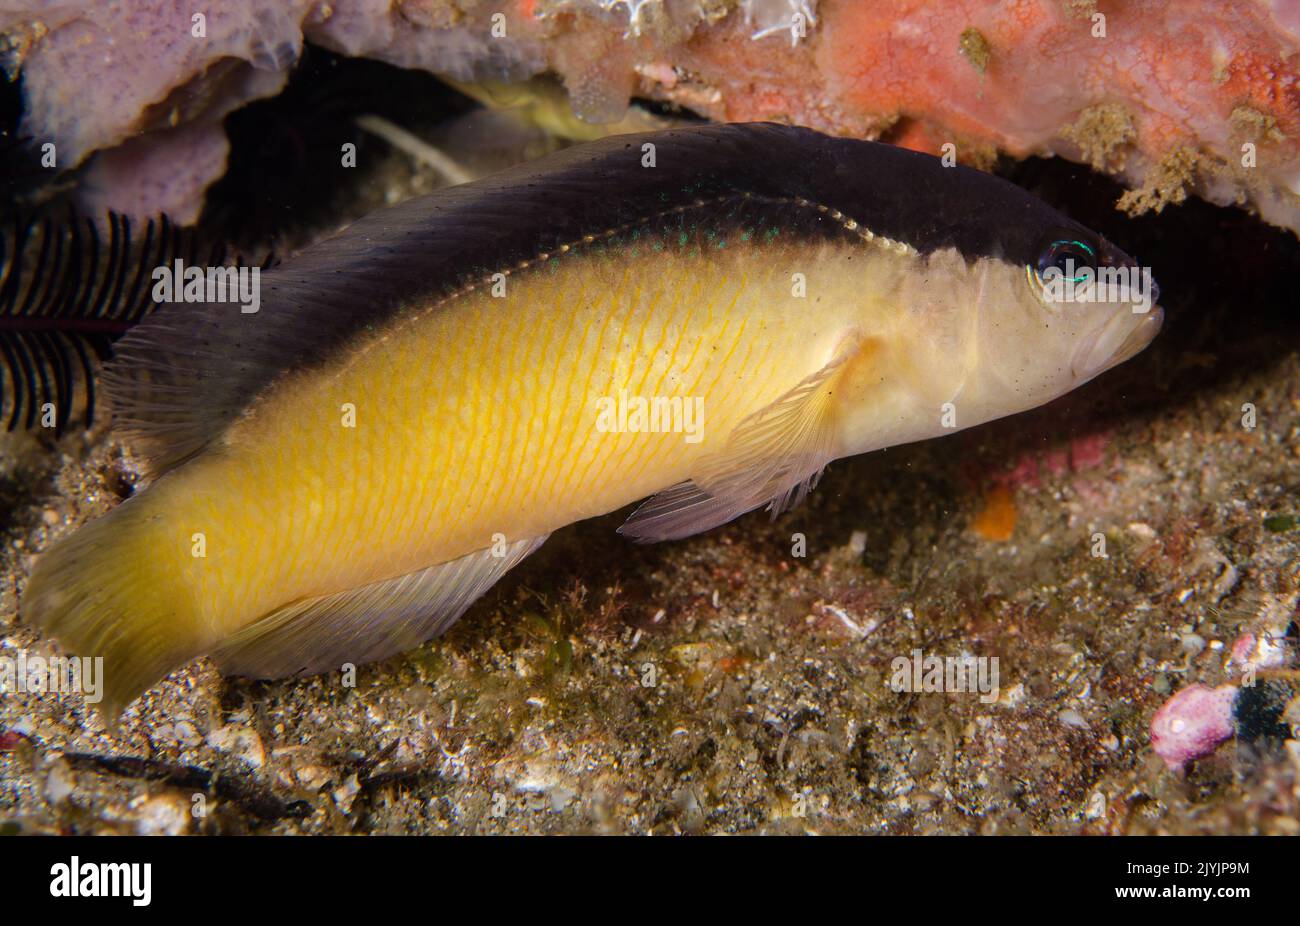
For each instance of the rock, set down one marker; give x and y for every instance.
(1072, 718)
(59, 782)
(163, 815)
(312, 777)
(346, 793)
(241, 742)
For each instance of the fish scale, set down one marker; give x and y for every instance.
(550, 460)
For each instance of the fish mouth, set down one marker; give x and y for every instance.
(1139, 337)
(1101, 353)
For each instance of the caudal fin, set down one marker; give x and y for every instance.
(103, 592)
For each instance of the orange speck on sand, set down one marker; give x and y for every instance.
(997, 519)
(732, 664)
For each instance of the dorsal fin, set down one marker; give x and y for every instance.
(186, 374)
(181, 378)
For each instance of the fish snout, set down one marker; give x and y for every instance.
(1134, 322)
(1119, 340)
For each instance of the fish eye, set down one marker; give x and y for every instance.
(1073, 260)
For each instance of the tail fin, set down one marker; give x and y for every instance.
(105, 591)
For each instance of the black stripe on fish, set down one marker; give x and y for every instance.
(189, 372)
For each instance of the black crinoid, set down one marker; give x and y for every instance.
(70, 287)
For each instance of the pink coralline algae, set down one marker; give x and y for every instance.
(1172, 98)
(1078, 455)
(1192, 724)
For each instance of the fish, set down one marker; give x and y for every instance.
(542, 102)
(700, 319)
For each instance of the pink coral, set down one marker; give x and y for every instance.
(1200, 97)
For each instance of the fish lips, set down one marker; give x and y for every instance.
(1116, 342)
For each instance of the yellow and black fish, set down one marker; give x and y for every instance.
(707, 316)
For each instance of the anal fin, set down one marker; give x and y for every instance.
(773, 457)
(368, 623)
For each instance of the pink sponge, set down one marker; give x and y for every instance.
(1192, 724)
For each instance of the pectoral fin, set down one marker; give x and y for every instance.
(369, 623)
(773, 457)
